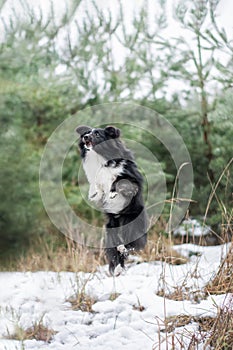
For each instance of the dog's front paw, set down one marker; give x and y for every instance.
(126, 188)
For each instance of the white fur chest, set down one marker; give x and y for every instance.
(99, 175)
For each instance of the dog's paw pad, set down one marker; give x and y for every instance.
(112, 195)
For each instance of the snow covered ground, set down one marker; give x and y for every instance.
(133, 319)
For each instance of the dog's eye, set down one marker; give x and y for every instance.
(97, 134)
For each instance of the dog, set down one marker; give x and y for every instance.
(116, 188)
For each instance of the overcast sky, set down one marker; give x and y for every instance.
(225, 9)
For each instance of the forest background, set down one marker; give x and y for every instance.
(52, 67)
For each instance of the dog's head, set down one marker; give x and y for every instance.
(91, 138)
(105, 142)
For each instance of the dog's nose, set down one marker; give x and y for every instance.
(86, 137)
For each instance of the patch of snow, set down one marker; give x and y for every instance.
(192, 227)
(115, 323)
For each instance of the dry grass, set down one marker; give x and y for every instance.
(221, 332)
(113, 296)
(37, 331)
(138, 306)
(57, 254)
(205, 323)
(159, 247)
(180, 294)
(81, 301)
(222, 283)
(211, 332)
(173, 322)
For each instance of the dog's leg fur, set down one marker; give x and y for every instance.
(120, 238)
(117, 255)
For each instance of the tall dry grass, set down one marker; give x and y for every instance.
(56, 254)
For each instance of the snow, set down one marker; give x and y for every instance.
(192, 227)
(115, 323)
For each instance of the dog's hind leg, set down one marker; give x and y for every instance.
(116, 250)
(116, 258)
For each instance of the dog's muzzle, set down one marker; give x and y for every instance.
(88, 141)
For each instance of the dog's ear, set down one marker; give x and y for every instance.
(112, 132)
(82, 129)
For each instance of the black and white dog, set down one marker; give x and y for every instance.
(116, 188)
